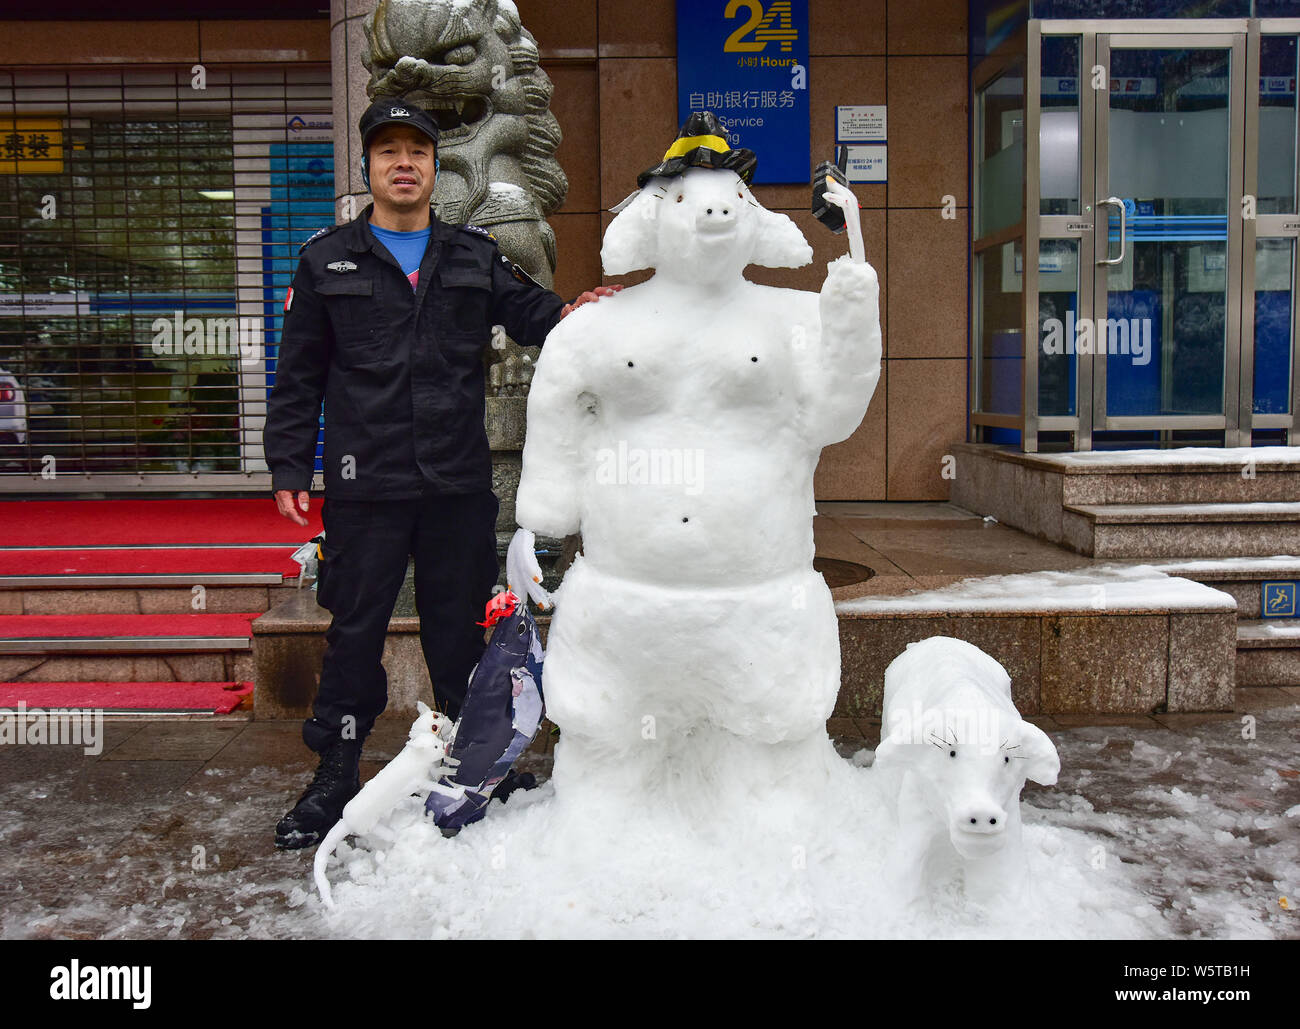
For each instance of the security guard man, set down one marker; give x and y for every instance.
(387, 321)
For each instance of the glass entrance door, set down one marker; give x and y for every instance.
(1164, 353)
(1144, 293)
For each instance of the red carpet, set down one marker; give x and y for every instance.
(152, 561)
(77, 523)
(217, 697)
(80, 626)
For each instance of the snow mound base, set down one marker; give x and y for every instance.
(805, 862)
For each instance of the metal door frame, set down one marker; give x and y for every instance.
(1077, 227)
(1266, 226)
(1228, 421)
(988, 70)
(1097, 38)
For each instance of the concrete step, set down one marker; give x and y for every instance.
(1268, 652)
(1198, 475)
(130, 648)
(1031, 492)
(1101, 641)
(130, 698)
(289, 643)
(140, 594)
(1106, 640)
(1182, 530)
(1240, 577)
(1233, 482)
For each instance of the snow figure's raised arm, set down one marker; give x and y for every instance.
(842, 371)
(551, 483)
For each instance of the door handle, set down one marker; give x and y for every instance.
(1118, 204)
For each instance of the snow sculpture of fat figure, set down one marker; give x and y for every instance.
(677, 426)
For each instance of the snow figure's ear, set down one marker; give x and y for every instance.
(629, 243)
(887, 754)
(780, 244)
(896, 746)
(1043, 763)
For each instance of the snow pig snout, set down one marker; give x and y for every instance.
(716, 213)
(972, 786)
(710, 204)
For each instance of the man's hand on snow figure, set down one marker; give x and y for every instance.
(588, 297)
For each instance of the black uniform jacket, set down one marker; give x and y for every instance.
(400, 370)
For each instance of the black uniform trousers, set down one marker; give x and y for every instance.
(364, 558)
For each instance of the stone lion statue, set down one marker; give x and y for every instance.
(473, 66)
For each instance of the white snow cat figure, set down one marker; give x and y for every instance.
(677, 427)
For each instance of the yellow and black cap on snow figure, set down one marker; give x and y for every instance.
(701, 143)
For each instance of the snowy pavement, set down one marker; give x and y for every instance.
(1187, 828)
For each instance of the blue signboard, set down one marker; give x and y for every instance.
(1278, 599)
(747, 62)
(302, 201)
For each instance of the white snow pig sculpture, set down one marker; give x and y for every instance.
(414, 769)
(677, 427)
(961, 754)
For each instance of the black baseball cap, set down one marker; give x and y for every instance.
(392, 110)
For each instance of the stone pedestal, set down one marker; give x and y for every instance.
(289, 642)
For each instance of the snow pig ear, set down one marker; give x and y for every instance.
(894, 749)
(1043, 764)
(780, 244)
(629, 243)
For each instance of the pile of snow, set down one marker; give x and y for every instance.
(1279, 564)
(1117, 849)
(1100, 588)
(806, 864)
(1234, 457)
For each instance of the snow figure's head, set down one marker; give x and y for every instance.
(950, 724)
(702, 227)
(970, 764)
(426, 730)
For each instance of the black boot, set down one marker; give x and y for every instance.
(513, 781)
(337, 780)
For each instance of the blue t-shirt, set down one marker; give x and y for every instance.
(407, 247)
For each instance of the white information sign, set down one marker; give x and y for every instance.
(310, 128)
(860, 124)
(44, 305)
(867, 163)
